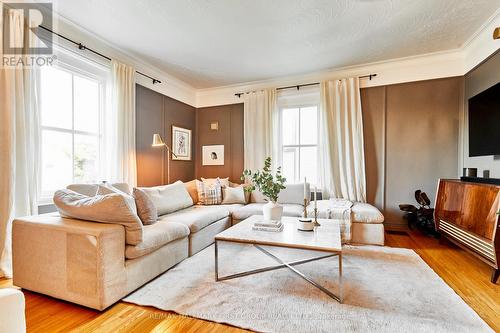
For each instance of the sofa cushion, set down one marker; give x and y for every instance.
(291, 194)
(91, 189)
(110, 208)
(232, 207)
(146, 208)
(360, 212)
(156, 236)
(86, 189)
(294, 194)
(169, 198)
(110, 189)
(365, 213)
(197, 217)
(256, 209)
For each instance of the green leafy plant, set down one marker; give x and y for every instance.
(265, 182)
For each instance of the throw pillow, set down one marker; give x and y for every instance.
(257, 197)
(110, 208)
(169, 198)
(209, 194)
(211, 181)
(192, 190)
(233, 195)
(247, 194)
(146, 208)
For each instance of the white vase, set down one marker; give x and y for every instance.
(272, 211)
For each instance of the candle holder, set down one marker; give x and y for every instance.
(316, 223)
(305, 208)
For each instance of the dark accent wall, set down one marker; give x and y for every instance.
(156, 113)
(411, 140)
(229, 134)
(411, 133)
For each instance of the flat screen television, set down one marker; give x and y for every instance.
(484, 122)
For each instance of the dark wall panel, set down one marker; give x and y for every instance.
(156, 113)
(149, 120)
(229, 134)
(411, 140)
(181, 115)
(373, 106)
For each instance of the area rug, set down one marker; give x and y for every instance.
(385, 290)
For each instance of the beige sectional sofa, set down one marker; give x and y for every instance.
(90, 263)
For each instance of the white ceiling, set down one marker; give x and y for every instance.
(210, 43)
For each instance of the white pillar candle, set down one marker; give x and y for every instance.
(315, 194)
(305, 191)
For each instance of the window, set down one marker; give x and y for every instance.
(299, 129)
(71, 112)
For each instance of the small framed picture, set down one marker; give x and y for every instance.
(181, 143)
(213, 155)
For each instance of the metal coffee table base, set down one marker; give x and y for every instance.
(338, 298)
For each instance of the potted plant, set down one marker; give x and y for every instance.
(270, 186)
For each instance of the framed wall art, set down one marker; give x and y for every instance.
(213, 155)
(181, 143)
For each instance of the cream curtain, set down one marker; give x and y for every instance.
(341, 152)
(19, 136)
(121, 162)
(260, 128)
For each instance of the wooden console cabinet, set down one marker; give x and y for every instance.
(466, 214)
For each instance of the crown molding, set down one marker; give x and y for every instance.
(456, 62)
(481, 45)
(408, 69)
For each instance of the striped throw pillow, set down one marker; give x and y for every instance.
(209, 194)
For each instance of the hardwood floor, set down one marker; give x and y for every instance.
(466, 275)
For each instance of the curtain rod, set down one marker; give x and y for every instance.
(298, 86)
(83, 47)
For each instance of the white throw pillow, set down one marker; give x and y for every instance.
(233, 195)
(110, 208)
(211, 181)
(169, 198)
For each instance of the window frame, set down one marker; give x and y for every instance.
(300, 104)
(77, 67)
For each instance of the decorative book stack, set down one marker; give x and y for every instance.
(273, 226)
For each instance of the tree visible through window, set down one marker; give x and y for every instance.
(71, 111)
(299, 128)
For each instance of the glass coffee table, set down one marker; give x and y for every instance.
(325, 239)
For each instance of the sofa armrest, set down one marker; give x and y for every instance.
(12, 319)
(78, 261)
